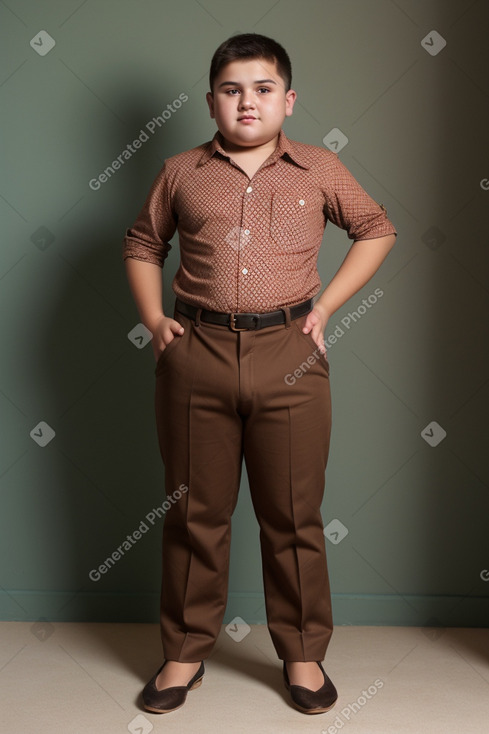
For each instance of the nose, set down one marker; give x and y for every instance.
(246, 100)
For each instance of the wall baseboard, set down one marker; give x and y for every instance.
(348, 609)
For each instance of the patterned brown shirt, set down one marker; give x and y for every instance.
(250, 244)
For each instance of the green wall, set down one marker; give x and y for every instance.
(416, 514)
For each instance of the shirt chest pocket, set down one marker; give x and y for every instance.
(290, 221)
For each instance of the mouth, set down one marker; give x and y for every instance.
(246, 118)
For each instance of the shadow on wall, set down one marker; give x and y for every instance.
(445, 531)
(422, 540)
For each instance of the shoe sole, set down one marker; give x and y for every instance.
(313, 711)
(197, 683)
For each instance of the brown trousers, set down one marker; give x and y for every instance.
(220, 396)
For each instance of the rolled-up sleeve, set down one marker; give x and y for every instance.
(349, 206)
(148, 238)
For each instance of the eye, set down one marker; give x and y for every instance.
(263, 89)
(231, 92)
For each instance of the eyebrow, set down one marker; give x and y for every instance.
(237, 84)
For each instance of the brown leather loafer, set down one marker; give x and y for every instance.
(169, 699)
(312, 702)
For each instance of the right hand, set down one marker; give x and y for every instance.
(164, 331)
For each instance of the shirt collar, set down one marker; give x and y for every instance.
(286, 149)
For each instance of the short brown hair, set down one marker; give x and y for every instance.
(251, 46)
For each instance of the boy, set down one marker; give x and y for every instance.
(250, 207)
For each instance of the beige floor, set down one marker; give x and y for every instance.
(77, 678)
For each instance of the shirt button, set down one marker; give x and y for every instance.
(247, 231)
(301, 202)
(249, 190)
(244, 271)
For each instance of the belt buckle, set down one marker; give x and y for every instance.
(232, 322)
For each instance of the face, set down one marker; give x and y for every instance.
(249, 102)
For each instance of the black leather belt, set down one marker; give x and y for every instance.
(244, 321)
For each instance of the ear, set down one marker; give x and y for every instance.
(290, 98)
(210, 101)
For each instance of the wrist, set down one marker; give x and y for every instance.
(151, 321)
(322, 307)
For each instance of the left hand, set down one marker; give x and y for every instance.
(316, 323)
